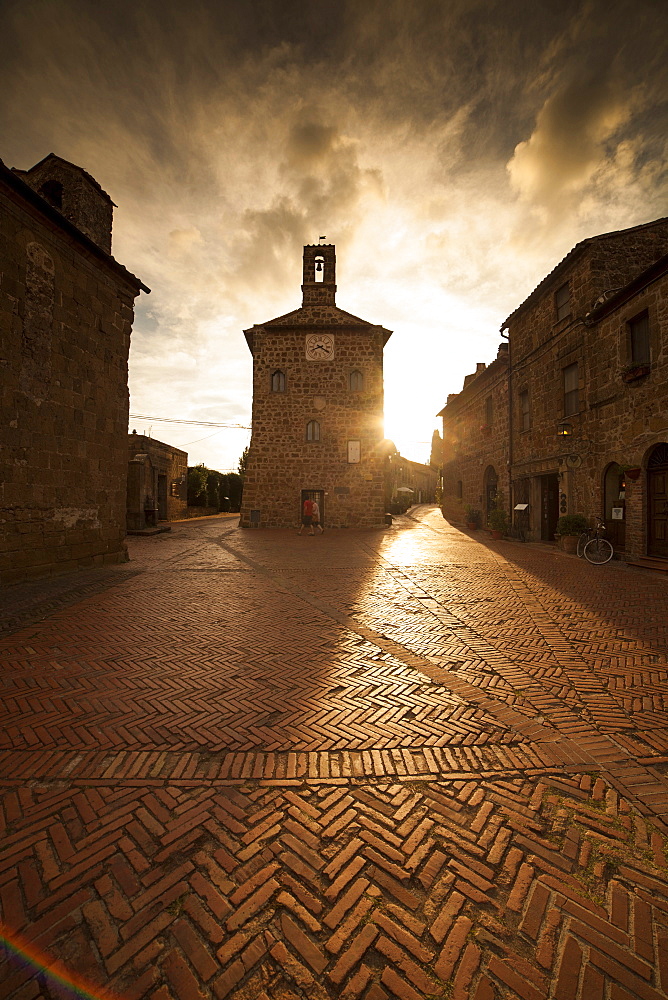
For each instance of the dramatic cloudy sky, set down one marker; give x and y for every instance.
(453, 150)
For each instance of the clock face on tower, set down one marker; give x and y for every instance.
(319, 346)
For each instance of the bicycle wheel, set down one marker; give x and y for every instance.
(598, 551)
(582, 541)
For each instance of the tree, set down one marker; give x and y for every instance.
(197, 485)
(436, 458)
(243, 462)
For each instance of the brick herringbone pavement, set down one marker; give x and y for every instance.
(409, 763)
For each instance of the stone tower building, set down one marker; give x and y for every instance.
(66, 313)
(317, 410)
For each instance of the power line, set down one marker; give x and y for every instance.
(197, 423)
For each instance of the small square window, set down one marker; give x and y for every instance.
(562, 301)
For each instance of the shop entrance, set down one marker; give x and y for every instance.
(549, 506)
(657, 497)
(614, 514)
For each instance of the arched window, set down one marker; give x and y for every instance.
(356, 381)
(313, 430)
(52, 191)
(319, 269)
(278, 381)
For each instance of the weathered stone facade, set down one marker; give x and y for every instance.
(404, 475)
(66, 312)
(475, 440)
(157, 482)
(580, 416)
(317, 423)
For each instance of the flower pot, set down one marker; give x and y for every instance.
(495, 534)
(569, 543)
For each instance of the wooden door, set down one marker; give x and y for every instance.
(657, 490)
(549, 514)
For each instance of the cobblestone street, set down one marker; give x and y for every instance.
(400, 763)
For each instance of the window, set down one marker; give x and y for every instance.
(278, 381)
(52, 191)
(356, 381)
(525, 415)
(489, 411)
(313, 430)
(639, 339)
(460, 489)
(571, 398)
(562, 301)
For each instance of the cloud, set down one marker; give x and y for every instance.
(569, 142)
(438, 144)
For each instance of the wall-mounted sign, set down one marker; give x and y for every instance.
(617, 513)
(354, 451)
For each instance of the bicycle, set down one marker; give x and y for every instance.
(593, 546)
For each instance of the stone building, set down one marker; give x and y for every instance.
(586, 402)
(407, 482)
(157, 482)
(66, 312)
(475, 441)
(317, 425)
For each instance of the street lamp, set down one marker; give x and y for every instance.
(564, 429)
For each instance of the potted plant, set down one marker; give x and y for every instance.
(630, 471)
(569, 529)
(497, 522)
(472, 517)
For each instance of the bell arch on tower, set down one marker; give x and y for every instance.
(319, 282)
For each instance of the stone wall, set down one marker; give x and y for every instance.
(153, 490)
(75, 194)
(616, 423)
(474, 444)
(66, 312)
(282, 462)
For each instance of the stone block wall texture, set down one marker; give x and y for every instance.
(472, 444)
(615, 421)
(165, 460)
(65, 319)
(281, 461)
(83, 203)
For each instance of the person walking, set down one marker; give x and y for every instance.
(315, 517)
(307, 516)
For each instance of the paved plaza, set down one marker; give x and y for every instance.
(403, 763)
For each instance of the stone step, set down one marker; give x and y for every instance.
(655, 563)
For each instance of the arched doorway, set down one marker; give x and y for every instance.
(657, 502)
(614, 505)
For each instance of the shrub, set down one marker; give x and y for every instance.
(572, 524)
(472, 515)
(497, 520)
